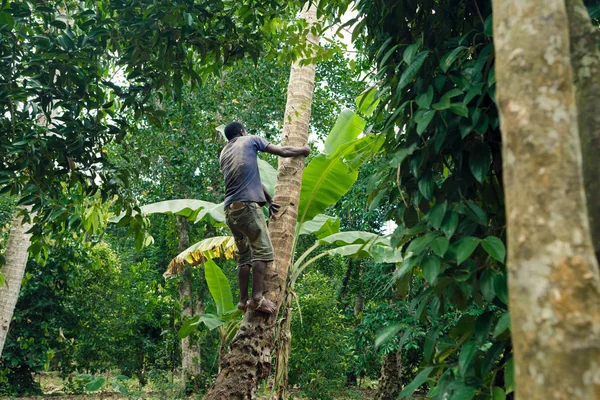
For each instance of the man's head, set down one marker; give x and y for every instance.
(234, 130)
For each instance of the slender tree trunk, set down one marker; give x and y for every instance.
(585, 61)
(553, 273)
(249, 360)
(390, 383)
(16, 260)
(190, 351)
(284, 343)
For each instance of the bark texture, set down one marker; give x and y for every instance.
(16, 260)
(553, 273)
(390, 383)
(249, 359)
(585, 61)
(190, 351)
(284, 344)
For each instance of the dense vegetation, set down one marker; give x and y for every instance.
(111, 105)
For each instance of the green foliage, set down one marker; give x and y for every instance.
(319, 342)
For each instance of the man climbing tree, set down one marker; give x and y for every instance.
(244, 196)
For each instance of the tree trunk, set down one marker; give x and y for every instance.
(553, 273)
(390, 383)
(190, 351)
(249, 360)
(284, 343)
(585, 61)
(16, 260)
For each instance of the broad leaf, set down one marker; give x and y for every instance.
(466, 356)
(494, 247)
(94, 385)
(436, 214)
(354, 237)
(196, 254)
(465, 247)
(268, 176)
(439, 245)
(322, 226)
(431, 268)
(420, 379)
(387, 333)
(417, 245)
(346, 129)
(219, 287)
(503, 325)
(498, 393)
(412, 69)
(480, 160)
(366, 101)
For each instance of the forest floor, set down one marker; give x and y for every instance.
(53, 387)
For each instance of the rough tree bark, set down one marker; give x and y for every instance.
(16, 260)
(553, 273)
(249, 359)
(585, 61)
(284, 344)
(390, 383)
(190, 351)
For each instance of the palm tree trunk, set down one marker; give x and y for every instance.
(13, 271)
(190, 351)
(553, 273)
(390, 383)
(284, 343)
(249, 359)
(585, 60)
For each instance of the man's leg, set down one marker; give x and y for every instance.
(258, 302)
(243, 280)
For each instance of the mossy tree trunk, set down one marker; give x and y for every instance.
(390, 383)
(553, 273)
(249, 359)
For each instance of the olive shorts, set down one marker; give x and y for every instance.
(247, 223)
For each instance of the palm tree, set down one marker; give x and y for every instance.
(249, 360)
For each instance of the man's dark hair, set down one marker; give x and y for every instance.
(233, 130)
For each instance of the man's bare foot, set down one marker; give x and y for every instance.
(262, 305)
(243, 305)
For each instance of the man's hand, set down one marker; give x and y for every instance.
(306, 150)
(273, 210)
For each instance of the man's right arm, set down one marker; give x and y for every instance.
(288, 151)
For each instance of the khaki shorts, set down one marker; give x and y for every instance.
(249, 228)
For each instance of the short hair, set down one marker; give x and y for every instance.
(233, 130)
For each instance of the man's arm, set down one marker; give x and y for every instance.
(273, 207)
(288, 151)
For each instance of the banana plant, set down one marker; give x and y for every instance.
(227, 317)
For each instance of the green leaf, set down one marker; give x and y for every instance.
(443, 104)
(417, 245)
(188, 327)
(482, 327)
(466, 356)
(420, 379)
(436, 214)
(213, 321)
(486, 285)
(494, 247)
(503, 324)
(476, 213)
(411, 71)
(409, 53)
(447, 59)
(480, 160)
(321, 225)
(500, 288)
(465, 247)
(95, 384)
(346, 129)
(429, 346)
(366, 101)
(188, 208)
(464, 393)
(459, 109)
(426, 186)
(509, 376)
(439, 246)
(387, 333)
(498, 393)
(488, 26)
(219, 287)
(354, 237)
(424, 121)
(431, 268)
(2, 280)
(450, 223)
(423, 100)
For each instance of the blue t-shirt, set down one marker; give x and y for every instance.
(240, 169)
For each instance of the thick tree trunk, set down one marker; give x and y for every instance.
(249, 360)
(190, 351)
(390, 383)
(284, 344)
(16, 260)
(553, 273)
(585, 61)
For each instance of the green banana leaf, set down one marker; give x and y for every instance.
(322, 225)
(355, 237)
(268, 175)
(219, 287)
(345, 130)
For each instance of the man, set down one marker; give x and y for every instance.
(244, 197)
